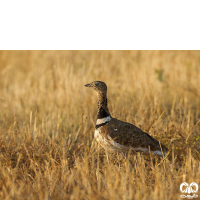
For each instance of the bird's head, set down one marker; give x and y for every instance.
(99, 86)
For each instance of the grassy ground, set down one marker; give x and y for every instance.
(47, 120)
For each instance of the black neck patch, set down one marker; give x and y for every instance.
(99, 125)
(102, 113)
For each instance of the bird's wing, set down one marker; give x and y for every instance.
(128, 135)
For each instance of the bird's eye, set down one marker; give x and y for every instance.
(97, 84)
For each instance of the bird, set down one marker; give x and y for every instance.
(119, 136)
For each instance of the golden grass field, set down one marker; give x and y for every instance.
(47, 122)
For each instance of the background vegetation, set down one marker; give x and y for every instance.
(47, 120)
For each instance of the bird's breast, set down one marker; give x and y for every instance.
(107, 142)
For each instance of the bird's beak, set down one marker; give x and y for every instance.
(88, 85)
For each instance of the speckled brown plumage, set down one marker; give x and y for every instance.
(129, 136)
(116, 135)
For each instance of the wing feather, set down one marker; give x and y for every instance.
(128, 135)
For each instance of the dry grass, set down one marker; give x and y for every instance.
(47, 118)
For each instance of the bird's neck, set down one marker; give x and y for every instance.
(103, 111)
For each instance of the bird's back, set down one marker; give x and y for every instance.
(120, 135)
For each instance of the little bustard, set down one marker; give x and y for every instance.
(120, 136)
